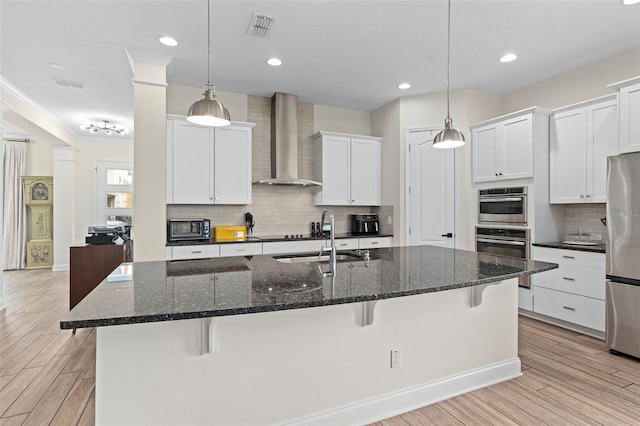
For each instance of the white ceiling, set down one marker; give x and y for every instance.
(350, 54)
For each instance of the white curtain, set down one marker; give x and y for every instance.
(14, 239)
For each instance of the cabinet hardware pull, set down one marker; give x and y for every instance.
(343, 244)
(374, 243)
(568, 278)
(197, 251)
(582, 196)
(568, 257)
(569, 308)
(241, 249)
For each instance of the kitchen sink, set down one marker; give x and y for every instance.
(309, 258)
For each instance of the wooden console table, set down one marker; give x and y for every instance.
(89, 266)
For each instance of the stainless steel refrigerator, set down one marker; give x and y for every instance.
(623, 254)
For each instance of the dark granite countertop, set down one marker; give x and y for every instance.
(172, 290)
(278, 238)
(600, 248)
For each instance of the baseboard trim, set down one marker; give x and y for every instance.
(63, 267)
(386, 406)
(564, 324)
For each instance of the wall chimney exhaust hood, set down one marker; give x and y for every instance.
(284, 143)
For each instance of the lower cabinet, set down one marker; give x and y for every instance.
(204, 251)
(575, 292)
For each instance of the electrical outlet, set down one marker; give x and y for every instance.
(396, 358)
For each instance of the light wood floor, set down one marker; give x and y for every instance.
(47, 375)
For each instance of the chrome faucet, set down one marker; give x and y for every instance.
(332, 248)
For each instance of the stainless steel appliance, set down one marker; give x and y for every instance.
(623, 254)
(505, 242)
(365, 223)
(188, 230)
(503, 205)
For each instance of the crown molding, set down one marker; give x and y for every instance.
(10, 88)
(135, 55)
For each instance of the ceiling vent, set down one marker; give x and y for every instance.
(260, 25)
(69, 83)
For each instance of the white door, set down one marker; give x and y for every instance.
(114, 193)
(431, 202)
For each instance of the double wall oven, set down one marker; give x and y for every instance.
(502, 221)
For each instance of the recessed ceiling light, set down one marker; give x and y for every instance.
(274, 62)
(509, 57)
(56, 66)
(630, 2)
(168, 41)
(404, 86)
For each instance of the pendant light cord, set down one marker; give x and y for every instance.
(448, 54)
(209, 42)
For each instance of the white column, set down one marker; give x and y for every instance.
(64, 170)
(149, 154)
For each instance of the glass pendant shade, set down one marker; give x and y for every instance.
(209, 111)
(449, 137)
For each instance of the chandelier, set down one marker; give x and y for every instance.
(105, 127)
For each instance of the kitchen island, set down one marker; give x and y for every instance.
(269, 340)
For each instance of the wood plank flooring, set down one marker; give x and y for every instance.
(47, 375)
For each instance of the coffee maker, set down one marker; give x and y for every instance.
(365, 223)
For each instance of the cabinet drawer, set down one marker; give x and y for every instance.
(574, 279)
(346, 243)
(274, 247)
(581, 310)
(240, 249)
(377, 242)
(194, 252)
(580, 258)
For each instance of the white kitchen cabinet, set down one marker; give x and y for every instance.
(503, 147)
(208, 165)
(375, 242)
(196, 251)
(582, 137)
(629, 112)
(276, 247)
(240, 249)
(575, 292)
(349, 168)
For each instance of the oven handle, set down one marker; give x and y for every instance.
(499, 200)
(509, 243)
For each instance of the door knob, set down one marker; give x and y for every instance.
(448, 235)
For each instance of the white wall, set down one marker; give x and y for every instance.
(341, 120)
(575, 86)
(39, 158)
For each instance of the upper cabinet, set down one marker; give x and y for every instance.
(503, 148)
(208, 165)
(629, 110)
(349, 168)
(582, 137)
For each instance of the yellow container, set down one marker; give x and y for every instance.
(230, 233)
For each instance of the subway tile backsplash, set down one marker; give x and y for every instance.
(585, 217)
(277, 210)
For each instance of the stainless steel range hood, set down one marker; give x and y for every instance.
(284, 143)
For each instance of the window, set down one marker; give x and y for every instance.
(114, 193)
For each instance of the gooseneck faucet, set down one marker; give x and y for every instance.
(332, 248)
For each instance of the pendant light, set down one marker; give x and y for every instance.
(209, 111)
(449, 137)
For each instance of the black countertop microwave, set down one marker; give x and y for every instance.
(188, 230)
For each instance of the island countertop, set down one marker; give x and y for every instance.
(145, 292)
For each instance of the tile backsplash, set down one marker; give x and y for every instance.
(585, 217)
(277, 210)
